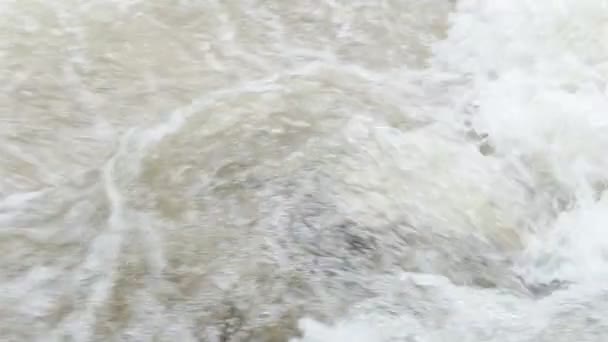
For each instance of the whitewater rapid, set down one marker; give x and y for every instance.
(313, 171)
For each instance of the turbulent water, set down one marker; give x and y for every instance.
(305, 171)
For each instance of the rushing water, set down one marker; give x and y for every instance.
(313, 171)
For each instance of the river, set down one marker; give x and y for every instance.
(304, 171)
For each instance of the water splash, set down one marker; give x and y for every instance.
(342, 170)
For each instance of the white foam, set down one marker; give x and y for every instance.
(539, 84)
(345, 331)
(536, 75)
